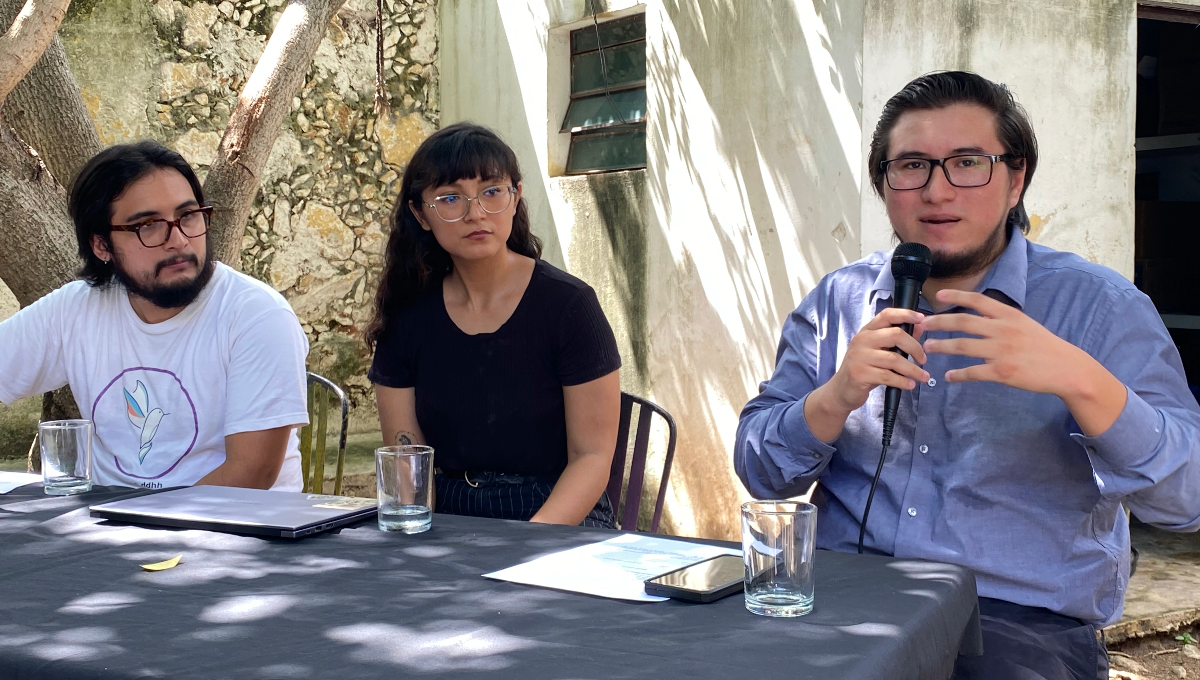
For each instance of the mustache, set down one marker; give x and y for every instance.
(176, 260)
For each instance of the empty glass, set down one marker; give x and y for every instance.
(778, 543)
(404, 477)
(66, 447)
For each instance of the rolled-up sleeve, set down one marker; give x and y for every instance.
(776, 454)
(1149, 457)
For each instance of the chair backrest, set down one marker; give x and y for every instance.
(627, 519)
(313, 435)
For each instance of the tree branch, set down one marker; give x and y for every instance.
(47, 110)
(256, 120)
(26, 39)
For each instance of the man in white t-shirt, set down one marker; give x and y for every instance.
(192, 372)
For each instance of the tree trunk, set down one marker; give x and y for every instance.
(38, 252)
(47, 110)
(233, 178)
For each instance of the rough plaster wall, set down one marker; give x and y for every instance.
(609, 251)
(754, 195)
(172, 70)
(1069, 62)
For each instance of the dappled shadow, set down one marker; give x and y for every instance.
(754, 142)
(344, 605)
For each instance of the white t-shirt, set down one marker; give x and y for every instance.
(164, 396)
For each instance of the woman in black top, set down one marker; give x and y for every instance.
(502, 363)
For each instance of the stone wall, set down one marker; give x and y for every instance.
(172, 71)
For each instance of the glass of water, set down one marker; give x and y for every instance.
(778, 543)
(404, 475)
(66, 447)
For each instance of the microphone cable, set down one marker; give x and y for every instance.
(889, 424)
(911, 264)
(862, 527)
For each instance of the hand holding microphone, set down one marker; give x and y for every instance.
(878, 353)
(911, 263)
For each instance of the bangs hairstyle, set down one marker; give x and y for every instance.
(413, 260)
(946, 88)
(101, 182)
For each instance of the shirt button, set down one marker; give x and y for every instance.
(924, 449)
(817, 455)
(912, 512)
(932, 382)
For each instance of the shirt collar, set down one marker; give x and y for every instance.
(1007, 275)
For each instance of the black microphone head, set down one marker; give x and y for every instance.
(911, 261)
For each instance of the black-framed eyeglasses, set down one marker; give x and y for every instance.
(154, 233)
(454, 207)
(963, 171)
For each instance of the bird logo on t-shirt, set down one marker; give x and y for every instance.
(145, 419)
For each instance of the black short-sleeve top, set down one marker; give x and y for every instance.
(494, 401)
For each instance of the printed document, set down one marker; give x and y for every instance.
(616, 568)
(11, 480)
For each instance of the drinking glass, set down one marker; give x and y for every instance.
(66, 447)
(404, 475)
(778, 543)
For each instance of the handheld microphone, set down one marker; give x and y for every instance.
(911, 263)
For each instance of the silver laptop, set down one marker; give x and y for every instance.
(241, 511)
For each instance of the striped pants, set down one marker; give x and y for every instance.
(508, 496)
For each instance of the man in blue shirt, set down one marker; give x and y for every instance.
(1043, 393)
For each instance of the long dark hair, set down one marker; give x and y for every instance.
(946, 88)
(102, 181)
(414, 260)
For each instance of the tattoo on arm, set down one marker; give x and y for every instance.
(405, 438)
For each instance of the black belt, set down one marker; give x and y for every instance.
(491, 475)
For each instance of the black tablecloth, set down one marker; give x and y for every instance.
(361, 603)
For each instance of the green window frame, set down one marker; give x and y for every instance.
(607, 114)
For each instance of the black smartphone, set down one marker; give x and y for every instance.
(705, 581)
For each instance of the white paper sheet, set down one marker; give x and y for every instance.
(11, 480)
(616, 568)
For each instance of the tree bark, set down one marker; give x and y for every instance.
(233, 178)
(47, 111)
(38, 252)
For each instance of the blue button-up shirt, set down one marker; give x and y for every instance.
(979, 474)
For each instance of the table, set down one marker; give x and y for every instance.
(361, 603)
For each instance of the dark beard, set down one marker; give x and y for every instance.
(167, 296)
(971, 262)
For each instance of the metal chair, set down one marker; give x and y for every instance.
(312, 448)
(627, 519)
